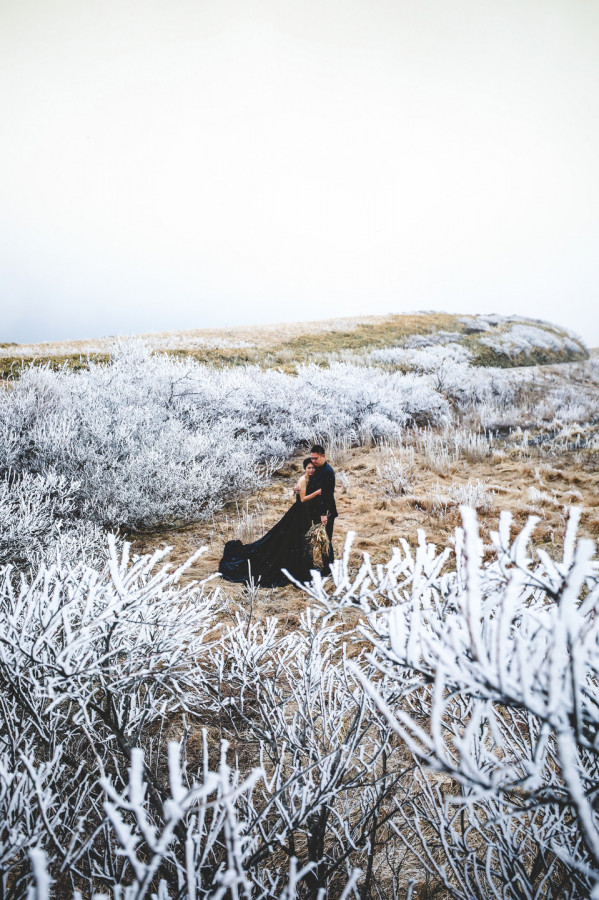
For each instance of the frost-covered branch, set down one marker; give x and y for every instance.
(490, 674)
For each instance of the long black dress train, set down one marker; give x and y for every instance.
(283, 547)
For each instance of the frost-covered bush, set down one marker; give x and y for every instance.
(522, 339)
(101, 669)
(530, 396)
(475, 325)
(470, 443)
(440, 455)
(375, 402)
(472, 387)
(343, 480)
(474, 493)
(246, 525)
(444, 447)
(590, 369)
(462, 742)
(490, 675)
(563, 401)
(450, 372)
(36, 522)
(151, 439)
(395, 473)
(426, 359)
(539, 499)
(89, 659)
(433, 338)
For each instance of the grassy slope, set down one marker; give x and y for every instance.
(562, 474)
(287, 345)
(565, 477)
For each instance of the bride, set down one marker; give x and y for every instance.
(285, 546)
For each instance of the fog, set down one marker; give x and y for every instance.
(184, 165)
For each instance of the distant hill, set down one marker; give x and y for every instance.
(488, 340)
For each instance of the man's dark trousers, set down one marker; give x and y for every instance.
(324, 478)
(326, 562)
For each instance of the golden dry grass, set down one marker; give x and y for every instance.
(282, 345)
(380, 520)
(263, 336)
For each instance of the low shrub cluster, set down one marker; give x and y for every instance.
(529, 343)
(150, 439)
(452, 731)
(37, 522)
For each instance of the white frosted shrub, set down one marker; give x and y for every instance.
(471, 443)
(89, 659)
(532, 395)
(151, 439)
(565, 402)
(371, 398)
(395, 473)
(116, 685)
(432, 338)
(524, 339)
(489, 673)
(460, 747)
(450, 372)
(440, 457)
(474, 493)
(343, 480)
(591, 369)
(427, 358)
(494, 319)
(36, 522)
(477, 385)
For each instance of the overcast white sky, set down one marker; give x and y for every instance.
(194, 163)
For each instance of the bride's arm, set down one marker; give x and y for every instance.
(305, 497)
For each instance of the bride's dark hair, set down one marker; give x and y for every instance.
(306, 462)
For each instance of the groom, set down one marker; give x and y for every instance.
(325, 509)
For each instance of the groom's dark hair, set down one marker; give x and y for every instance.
(318, 448)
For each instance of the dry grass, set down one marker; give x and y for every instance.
(283, 346)
(568, 478)
(12, 364)
(265, 337)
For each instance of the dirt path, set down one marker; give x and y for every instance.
(533, 484)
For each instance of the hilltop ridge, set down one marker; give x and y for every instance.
(489, 340)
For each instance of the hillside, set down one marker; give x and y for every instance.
(499, 412)
(491, 340)
(423, 724)
(387, 492)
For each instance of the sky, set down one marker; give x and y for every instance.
(169, 164)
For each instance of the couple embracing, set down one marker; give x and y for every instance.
(291, 543)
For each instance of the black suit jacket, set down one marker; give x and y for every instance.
(324, 478)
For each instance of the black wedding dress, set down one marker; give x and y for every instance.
(283, 547)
